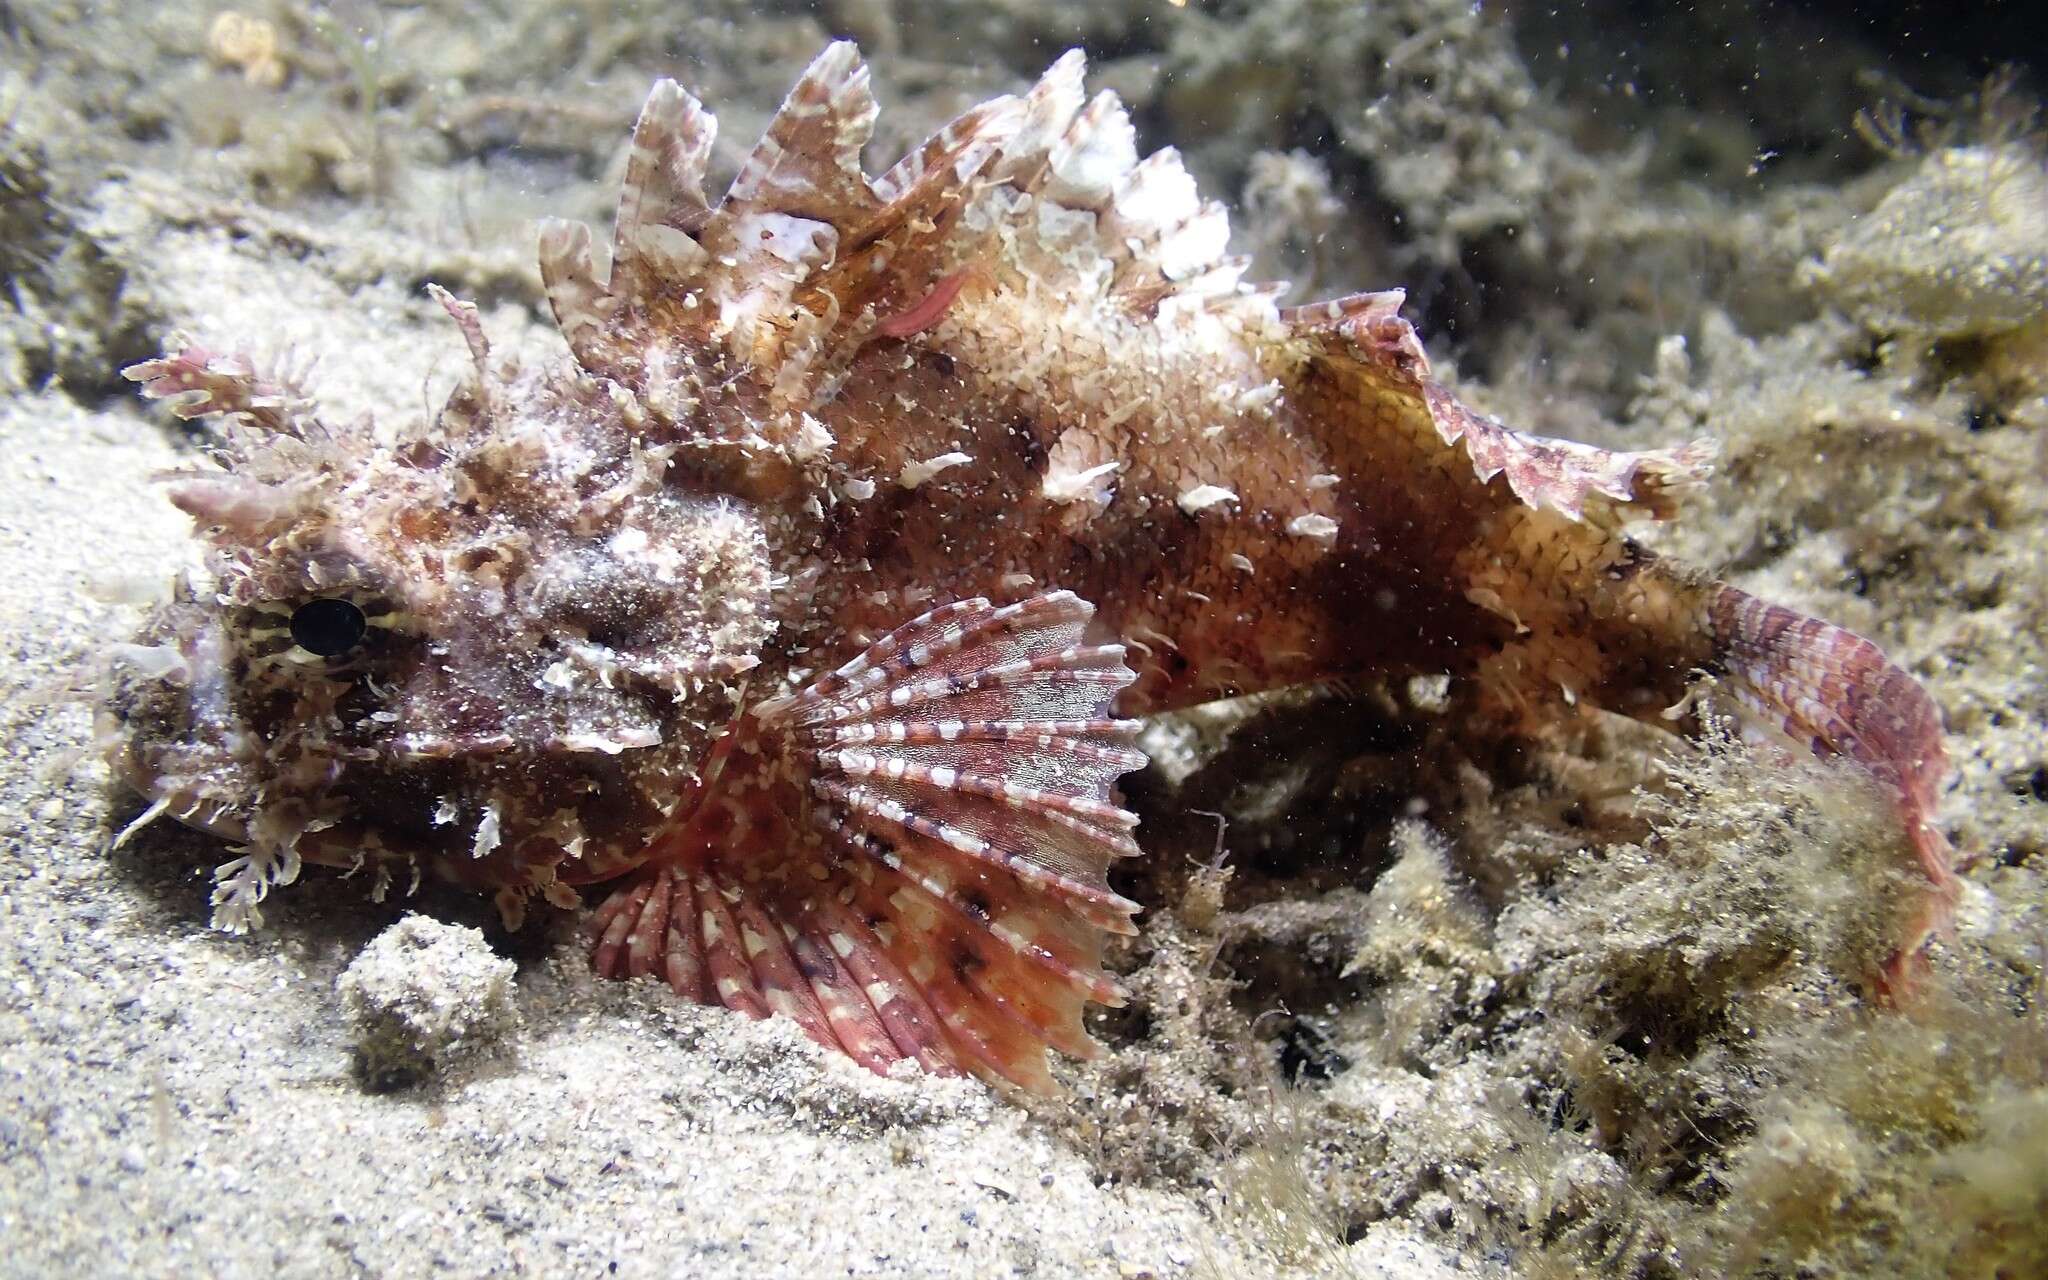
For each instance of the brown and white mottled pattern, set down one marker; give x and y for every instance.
(800, 601)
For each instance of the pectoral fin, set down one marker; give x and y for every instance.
(909, 857)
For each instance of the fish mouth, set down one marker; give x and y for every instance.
(491, 803)
(168, 725)
(188, 808)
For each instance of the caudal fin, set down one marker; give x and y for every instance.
(1837, 693)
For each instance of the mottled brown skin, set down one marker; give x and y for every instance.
(1418, 531)
(599, 602)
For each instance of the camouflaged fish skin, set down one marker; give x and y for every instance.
(811, 597)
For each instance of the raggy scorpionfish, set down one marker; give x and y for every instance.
(811, 601)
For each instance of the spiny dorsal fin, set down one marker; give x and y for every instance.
(1040, 191)
(1093, 154)
(582, 305)
(781, 221)
(806, 259)
(808, 162)
(662, 200)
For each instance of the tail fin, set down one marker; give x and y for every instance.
(1837, 693)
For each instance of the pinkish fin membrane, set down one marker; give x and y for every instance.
(948, 899)
(1836, 693)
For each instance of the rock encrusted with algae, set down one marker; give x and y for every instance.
(1959, 248)
(425, 996)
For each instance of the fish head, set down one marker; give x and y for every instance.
(498, 645)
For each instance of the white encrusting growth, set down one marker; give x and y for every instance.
(1317, 528)
(1259, 397)
(1091, 486)
(611, 743)
(1203, 496)
(813, 441)
(914, 474)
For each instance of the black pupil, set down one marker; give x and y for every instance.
(328, 627)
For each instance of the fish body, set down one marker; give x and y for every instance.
(812, 599)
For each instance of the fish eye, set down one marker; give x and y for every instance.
(328, 627)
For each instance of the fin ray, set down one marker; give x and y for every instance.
(997, 827)
(949, 899)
